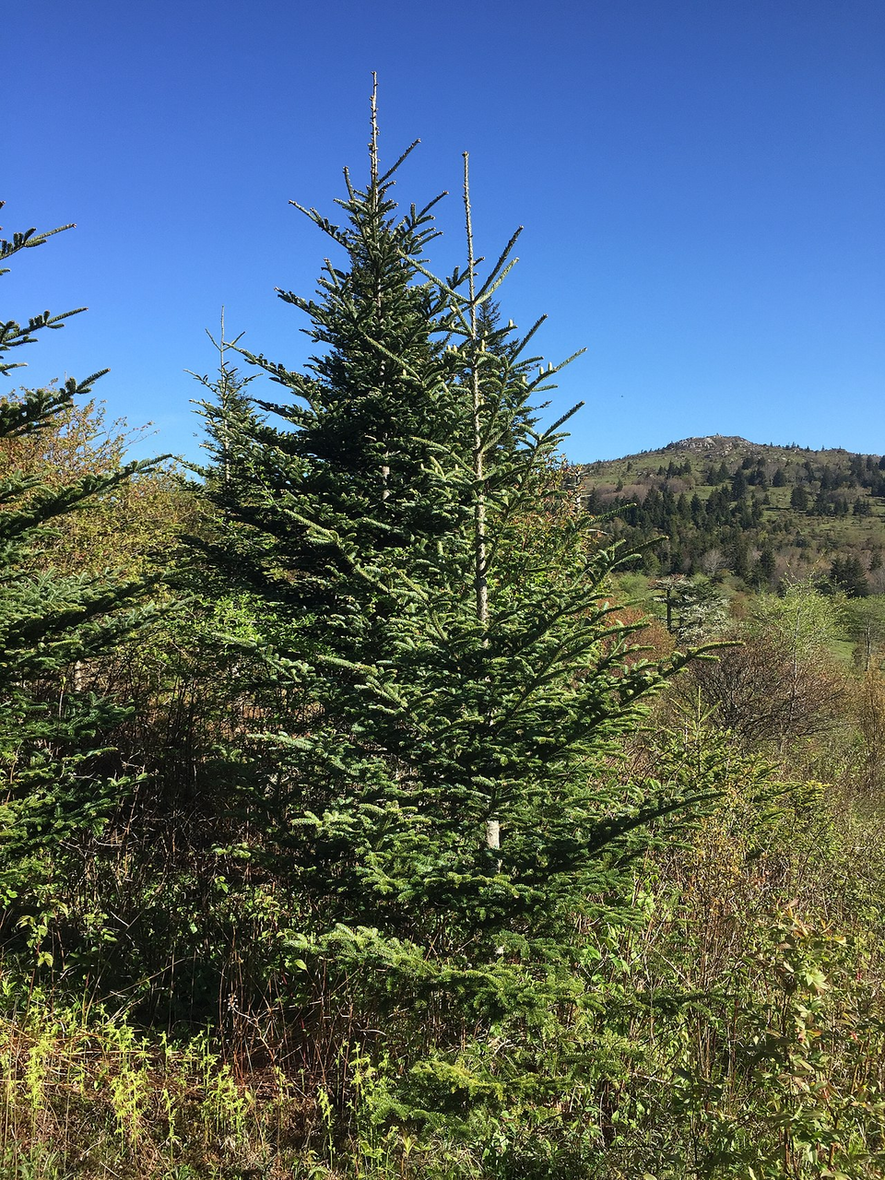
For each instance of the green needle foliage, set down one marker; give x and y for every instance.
(60, 774)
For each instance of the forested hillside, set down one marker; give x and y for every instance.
(761, 513)
(376, 806)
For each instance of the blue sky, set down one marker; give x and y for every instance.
(701, 185)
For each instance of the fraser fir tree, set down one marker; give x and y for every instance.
(442, 800)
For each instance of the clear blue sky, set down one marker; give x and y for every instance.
(701, 183)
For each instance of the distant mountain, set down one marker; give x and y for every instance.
(753, 512)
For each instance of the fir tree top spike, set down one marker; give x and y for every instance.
(377, 181)
(373, 142)
(471, 260)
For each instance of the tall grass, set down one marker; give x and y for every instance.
(86, 1094)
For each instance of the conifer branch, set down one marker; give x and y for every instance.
(502, 259)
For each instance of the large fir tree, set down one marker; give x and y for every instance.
(452, 677)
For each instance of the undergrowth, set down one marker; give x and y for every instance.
(734, 1028)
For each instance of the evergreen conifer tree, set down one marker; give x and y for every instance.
(227, 413)
(441, 801)
(61, 774)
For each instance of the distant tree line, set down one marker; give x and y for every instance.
(737, 524)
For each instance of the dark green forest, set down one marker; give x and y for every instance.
(389, 798)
